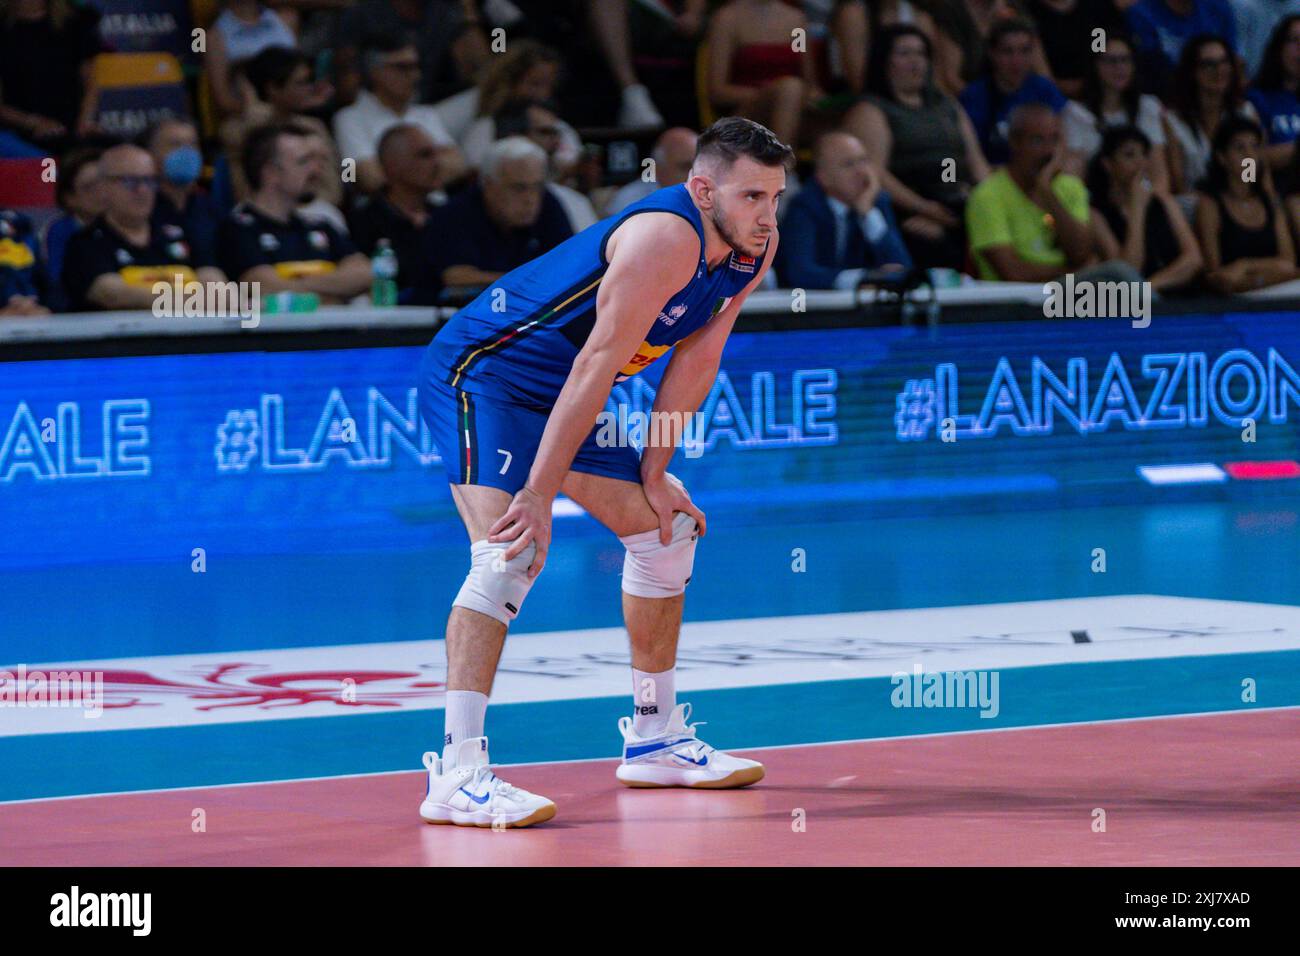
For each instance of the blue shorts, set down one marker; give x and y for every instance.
(489, 441)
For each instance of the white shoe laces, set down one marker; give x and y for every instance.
(500, 787)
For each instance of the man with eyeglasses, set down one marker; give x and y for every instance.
(391, 70)
(114, 262)
(266, 240)
(1161, 27)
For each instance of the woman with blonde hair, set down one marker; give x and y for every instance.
(529, 71)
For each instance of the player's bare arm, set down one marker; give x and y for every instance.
(651, 257)
(691, 372)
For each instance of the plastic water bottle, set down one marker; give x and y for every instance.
(383, 273)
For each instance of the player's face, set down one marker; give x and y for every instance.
(745, 203)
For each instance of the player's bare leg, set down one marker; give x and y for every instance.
(660, 749)
(653, 624)
(475, 640)
(462, 789)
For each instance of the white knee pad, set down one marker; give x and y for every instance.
(652, 570)
(494, 587)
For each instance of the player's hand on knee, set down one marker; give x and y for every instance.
(528, 519)
(667, 495)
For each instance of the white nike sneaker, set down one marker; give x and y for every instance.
(676, 758)
(462, 790)
(637, 110)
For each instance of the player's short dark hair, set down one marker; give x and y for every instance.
(260, 146)
(274, 66)
(733, 136)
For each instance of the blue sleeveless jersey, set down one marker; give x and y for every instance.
(518, 339)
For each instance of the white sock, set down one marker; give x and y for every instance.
(653, 698)
(466, 710)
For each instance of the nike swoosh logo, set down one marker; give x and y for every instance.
(482, 799)
(699, 763)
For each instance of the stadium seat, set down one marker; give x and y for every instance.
(21, 184)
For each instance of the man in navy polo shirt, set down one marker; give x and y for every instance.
(264, 240)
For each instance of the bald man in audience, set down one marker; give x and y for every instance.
(841, 224)
(673, 153)
(401, 212)
(114, 262)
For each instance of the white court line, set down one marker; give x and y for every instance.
(747, 750)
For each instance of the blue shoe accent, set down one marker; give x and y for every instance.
(482, 799)
(632, 753)
(699, 763)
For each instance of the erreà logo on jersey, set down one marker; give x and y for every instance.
(743, 263)
(673, 314)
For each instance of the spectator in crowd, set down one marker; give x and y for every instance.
(1135, 220)
(1243, 232)
(391, 68)
(841, 223)
(265, 240)
(450, 35)
(609, 28)
(24, 283)
(114, 262)
(79, 191)
(324, 185)
(1028, 222)
(502, 222)
(1008, 81)
(673, 155)
(1160, 28)
(174, 145)
(963, 28)
(47, 91)
(401, 212)
(242, 30)
(755, 72)
(855, 24)
(1273, 94)
(539, 123)
(1065, 32)
(924, 143)
(612, 91)
(527, 71)
(283, 90)
(1255, 20)
(1111, 98)
(1206, 92)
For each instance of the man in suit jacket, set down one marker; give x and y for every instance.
(840, 224)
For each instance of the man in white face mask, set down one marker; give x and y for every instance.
(174, 145)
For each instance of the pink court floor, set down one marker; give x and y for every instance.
(1176, 791)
